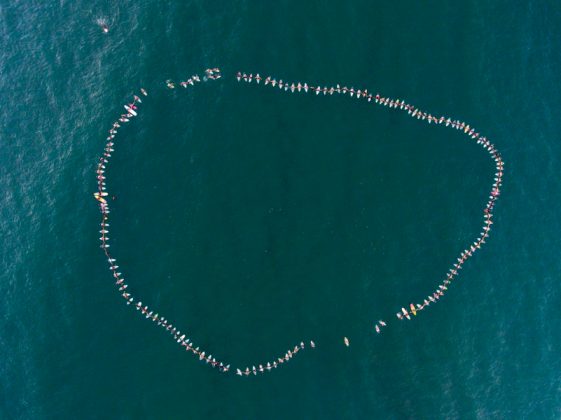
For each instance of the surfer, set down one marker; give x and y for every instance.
(405, 313)
(99, 198)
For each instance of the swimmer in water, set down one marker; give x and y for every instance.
(103, 25)
(346, 341)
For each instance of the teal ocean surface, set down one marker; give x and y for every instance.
(254, 219)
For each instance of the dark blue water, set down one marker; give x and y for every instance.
(255, 219)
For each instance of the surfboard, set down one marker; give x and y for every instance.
(132, 111)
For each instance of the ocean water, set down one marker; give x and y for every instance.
(254, 219)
